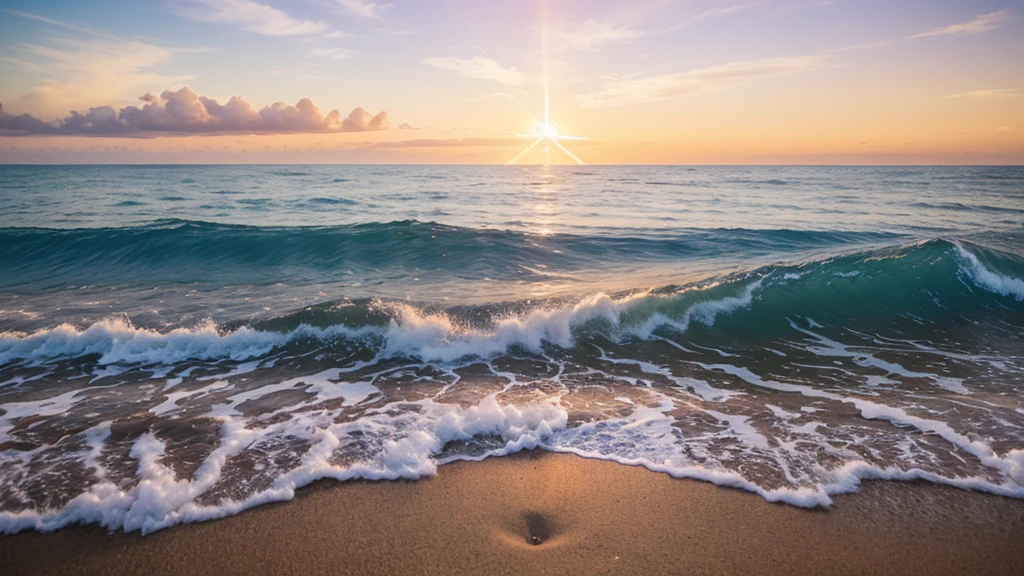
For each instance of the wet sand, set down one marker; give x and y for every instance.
(589, 517)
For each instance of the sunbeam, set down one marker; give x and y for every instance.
(544, 130)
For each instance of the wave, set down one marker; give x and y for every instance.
(330, 201)
(793, 382)
(1001, 284)
(181, 251)
(117, 341)
(926, 285)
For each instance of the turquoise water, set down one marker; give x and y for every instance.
(180, 343)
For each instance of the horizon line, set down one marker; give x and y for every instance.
(514, 166)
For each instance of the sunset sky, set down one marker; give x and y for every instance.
(459, 81)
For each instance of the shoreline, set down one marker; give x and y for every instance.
(590, 516)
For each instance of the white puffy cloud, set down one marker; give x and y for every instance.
(479, 68)
(185, 112)
(362, 121)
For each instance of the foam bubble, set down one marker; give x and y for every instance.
(988, 279)
(411, 332)
(118, 341)
(159, 499)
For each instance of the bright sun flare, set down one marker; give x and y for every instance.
(544, 130)
(548, 130)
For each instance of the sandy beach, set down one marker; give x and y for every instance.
(589, 517)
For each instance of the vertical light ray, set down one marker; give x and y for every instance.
(544, 55)
(544, 131)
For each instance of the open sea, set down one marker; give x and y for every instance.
(180, 343)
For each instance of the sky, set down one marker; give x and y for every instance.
(468, 81)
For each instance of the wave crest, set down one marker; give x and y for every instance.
(872, 283)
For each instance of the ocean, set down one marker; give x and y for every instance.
(180, 343)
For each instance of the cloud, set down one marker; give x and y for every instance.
(23, 123)
(252, 16)
(332, 35)
(331, 53)
(669, 86)
(591, 34)
(185, 112)
(983, 23)
(393, 32)
(715, 12)
(364, 9)
(359, 120)
(480, 68)
(990, 95)
(450, 143)
(407, 126)
(85, 73)
(53, 22)
(864, 46)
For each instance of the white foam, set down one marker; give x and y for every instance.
(988, 279)
(703, 312)
(117, 341)
(700, 387)
(160, 499)
(411, 332)
(323, 386)
(438, 337)
(51, 406)
(898, 416)
(831, 348)
(172, 398)
(411, 443)
(781, 413)
(740, 425)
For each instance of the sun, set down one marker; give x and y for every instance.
(548, 130)
(547, 133)
(544, 130)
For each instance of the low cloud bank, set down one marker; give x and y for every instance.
(185, 112)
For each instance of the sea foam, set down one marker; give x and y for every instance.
(751, 381)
